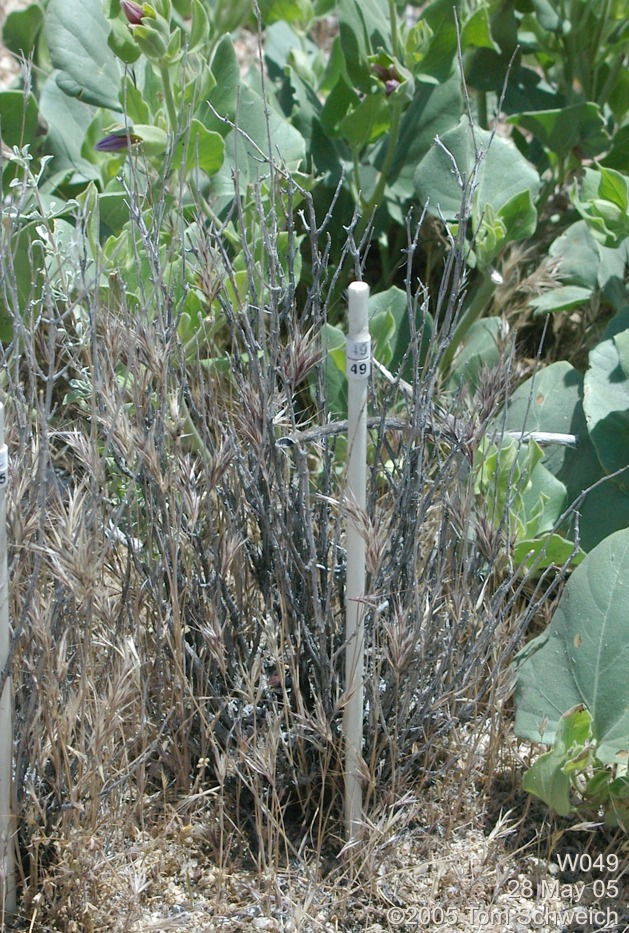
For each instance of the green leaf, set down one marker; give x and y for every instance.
(606, 508)
(563, 298)
(502, 173)
(200, 27)
(154, 138)
(547, 780)
(502, 475)
(479, 350)
(606, 405)
(382, 329)
(364, 28)
(339, 101)
(519, 216)
(546, 402)
(306, 106)
(536, 554)
(580, 126)
(21, 29)
(89, 202)
(289, 11)
(18, 123)
(433, 111)
(551, 401)
(114, 212)
(202, 148)
(618, 155)
(67, 120)
(394, 302)
(574, 731)
(582, 658)
(22, 275)
(549, 18)
(476, 31)
(611, 274)
(224, 95)
(549, 776)
(438, 61)
(602, 202)
(333, 346)
(544, 500)
(228, 15)
(76, 34)
(134, 102)
(578, 256)
(370, 120)
(613, 188)
(247, 146)
(488, 68)
(121, 42)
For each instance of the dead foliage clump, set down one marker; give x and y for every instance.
(177, 565)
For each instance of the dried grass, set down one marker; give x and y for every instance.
(177, 575)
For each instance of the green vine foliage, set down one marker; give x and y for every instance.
(572, 692)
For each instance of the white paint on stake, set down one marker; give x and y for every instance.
(358, 356)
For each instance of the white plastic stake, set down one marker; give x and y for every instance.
(7, 829)
(358, 361)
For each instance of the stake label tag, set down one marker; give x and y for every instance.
(4, 465)
(358, 358)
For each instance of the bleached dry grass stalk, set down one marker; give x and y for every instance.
(177, 588)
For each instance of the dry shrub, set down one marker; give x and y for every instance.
(177, 581)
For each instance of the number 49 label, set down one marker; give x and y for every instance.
(358, 358)
(4, 465)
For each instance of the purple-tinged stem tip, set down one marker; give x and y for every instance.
(117, 142)
(133, 12)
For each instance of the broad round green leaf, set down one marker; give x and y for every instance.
(77, 34)
(578, 255)
(480, 349)
(257, 136)
(464, 153)
(583, 656)
(67, 120)
(606, 403)
(549, 401)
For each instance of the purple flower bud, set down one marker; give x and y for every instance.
(390, 86)
(117, 142)
(380, 71)
(133, 11)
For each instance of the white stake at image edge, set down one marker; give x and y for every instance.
(358, 367)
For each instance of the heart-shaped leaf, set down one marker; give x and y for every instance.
(582, 657)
